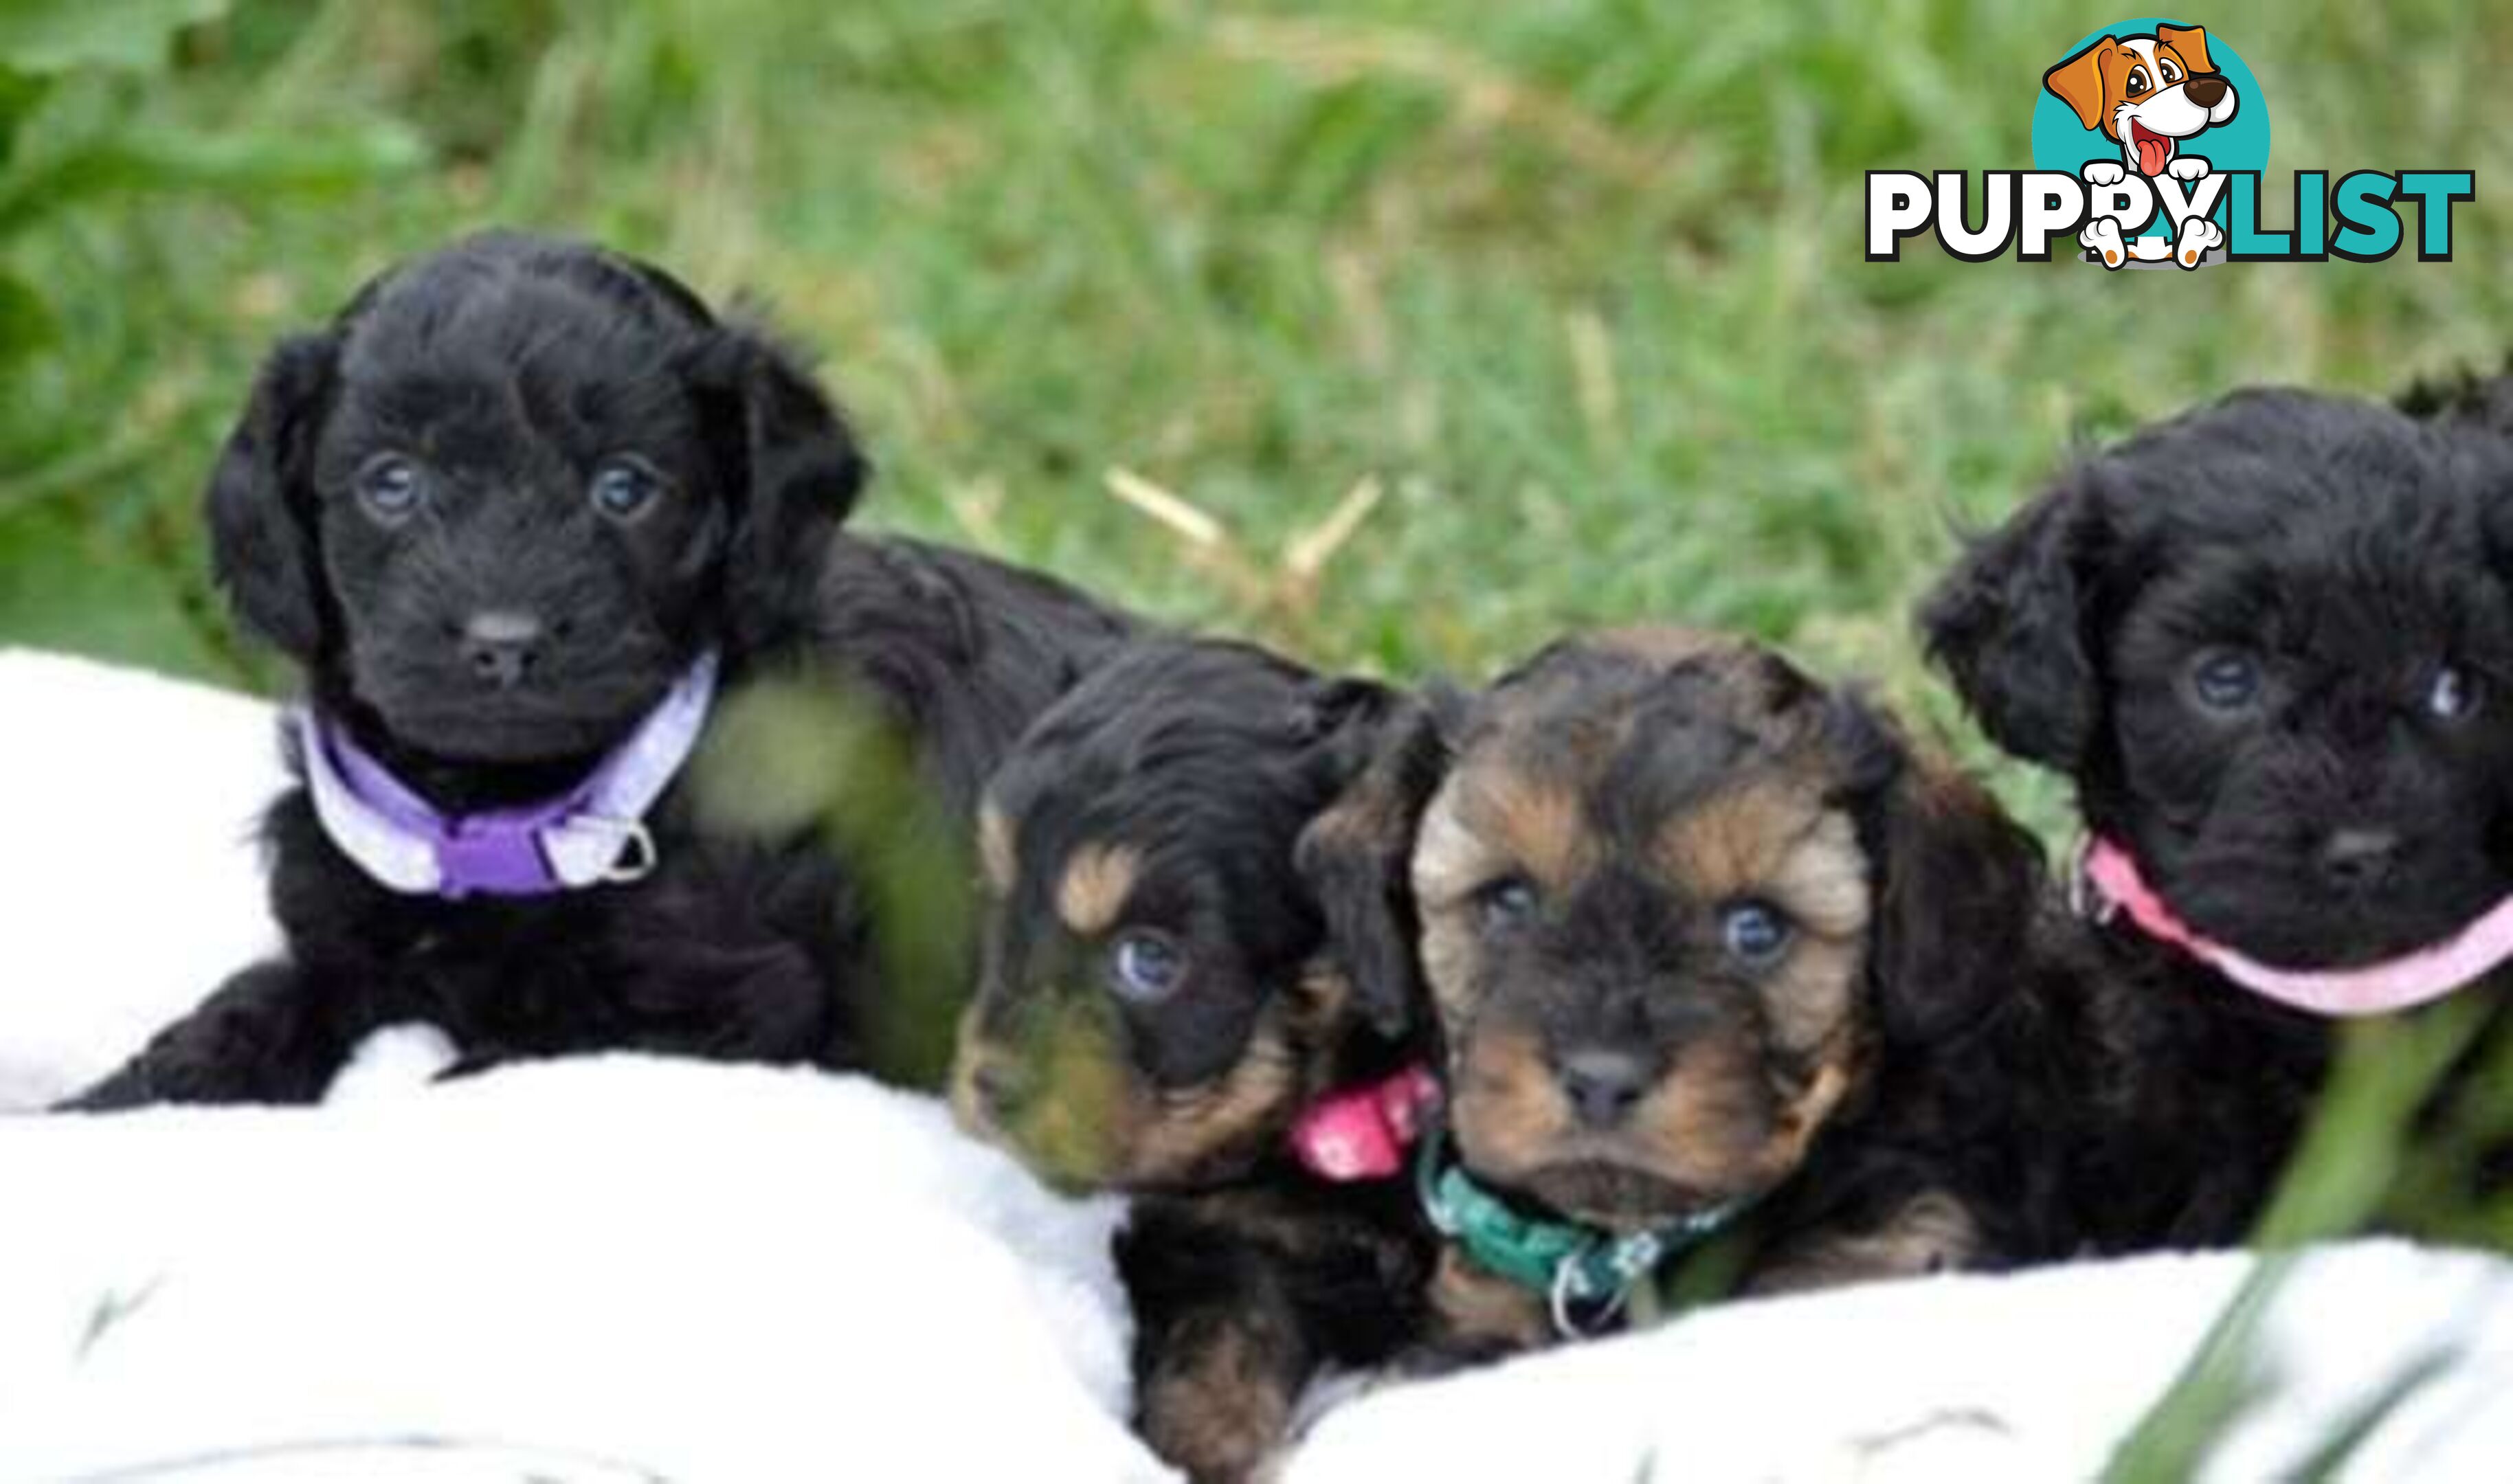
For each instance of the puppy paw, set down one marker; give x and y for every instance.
(2102, 237)
(2104, 173)
(1220, 1399)
(1222, 1437)
(2187, 167)
(2197, 235)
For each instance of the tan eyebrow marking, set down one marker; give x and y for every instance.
(995, 854)
(1097, 881)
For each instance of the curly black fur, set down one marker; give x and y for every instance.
(2469, 397)
(2269, 643)
(1163, 802)
(411, 510)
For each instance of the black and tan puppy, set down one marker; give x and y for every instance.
(2269, 644)
(1162, 1000)
(519, 514)
(1710, 948)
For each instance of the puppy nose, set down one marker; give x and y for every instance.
(2205, 92)
(1603, 1084)
(499, 644)
(2358, 858)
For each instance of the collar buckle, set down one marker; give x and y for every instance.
(2086, 900)
(1575, 1267)
(1568, 1291)
(637, 853)
(1361, 1133)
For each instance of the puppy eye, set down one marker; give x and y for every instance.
(2225, 679)
(2452, 696)
(2172, 73)
(1146, 968)
(622, 487)
(389, 485)
(2137, 80)
(1506, 904)
(1755, 932)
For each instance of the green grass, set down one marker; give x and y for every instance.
(1578, 285)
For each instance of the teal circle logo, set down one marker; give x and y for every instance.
(2135, 73)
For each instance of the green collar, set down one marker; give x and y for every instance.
(1585, 1275)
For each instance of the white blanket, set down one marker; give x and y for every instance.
(600, 1269)
(625, 1269)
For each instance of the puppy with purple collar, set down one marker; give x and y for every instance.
(519, 516)
(2269, 643)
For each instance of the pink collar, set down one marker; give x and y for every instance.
(2395, 984)
(1361, 1133)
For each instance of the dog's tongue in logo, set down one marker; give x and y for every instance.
(2153, 150)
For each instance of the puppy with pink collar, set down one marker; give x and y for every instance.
(2269, 643)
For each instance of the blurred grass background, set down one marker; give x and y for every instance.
(1577, 287)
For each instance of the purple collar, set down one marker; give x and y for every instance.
(595, 832)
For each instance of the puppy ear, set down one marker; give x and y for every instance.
(1957, 883)
(2463, 400)
(2190, 42)
(793, 471)
(259, 502)
(2008, 626)
(1346, 719)
(2079, 81)
(1357, 855)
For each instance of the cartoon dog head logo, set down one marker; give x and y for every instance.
(2130, 111)
(2147, 94)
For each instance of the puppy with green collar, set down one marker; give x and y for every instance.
(1714, 958)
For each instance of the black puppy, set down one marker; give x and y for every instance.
(1163, 1001)
(519, 514)
(2268, 642)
